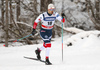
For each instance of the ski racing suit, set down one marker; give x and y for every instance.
(46, 28)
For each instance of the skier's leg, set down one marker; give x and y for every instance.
(45, 45)
(42, 34)
(42, 47)
(37, 51)
(48, 46)
(46, 36)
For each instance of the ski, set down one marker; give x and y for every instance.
(34, 59)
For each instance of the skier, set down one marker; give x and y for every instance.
(47, 18)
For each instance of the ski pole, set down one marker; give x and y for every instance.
(24, 37)
(62, 41)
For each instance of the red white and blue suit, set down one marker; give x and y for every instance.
(47, 21)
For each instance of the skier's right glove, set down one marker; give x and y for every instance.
(33, 32)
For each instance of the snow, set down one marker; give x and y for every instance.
(81, 35)
(74, 30)
(84, 54)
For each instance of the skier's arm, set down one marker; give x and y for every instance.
(61, 19)
(38, 19)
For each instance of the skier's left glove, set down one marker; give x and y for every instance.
(33, 32)
(63, 17)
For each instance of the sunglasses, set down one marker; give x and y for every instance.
(52, 9)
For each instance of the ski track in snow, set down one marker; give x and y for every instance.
(84, 54)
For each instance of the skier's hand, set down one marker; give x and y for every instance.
(33, 32)
(63, 15)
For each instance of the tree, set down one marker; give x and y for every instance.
(18, 10)
(93, 10)
(10, 11)
(44, 4)
(2, 9)
(6, 26)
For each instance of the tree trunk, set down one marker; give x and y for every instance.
(10, 11)
(6, 26)
(2, 11)
(44, 4)
(97, 9)
(18, 10)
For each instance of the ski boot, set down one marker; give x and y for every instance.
(38, 53)
(47, 62)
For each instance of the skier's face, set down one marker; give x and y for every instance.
(50, 11)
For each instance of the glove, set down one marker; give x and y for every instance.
(63, 15)
(33, 32)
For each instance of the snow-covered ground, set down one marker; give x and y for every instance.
(84, 54)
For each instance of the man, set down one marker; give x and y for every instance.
(47, 19)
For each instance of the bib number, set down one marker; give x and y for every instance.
(49, 23)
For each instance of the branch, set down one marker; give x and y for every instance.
(10, 30)
(30, 8)
(65, 29)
